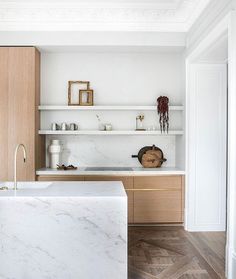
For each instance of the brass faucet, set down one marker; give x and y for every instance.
(15, 162)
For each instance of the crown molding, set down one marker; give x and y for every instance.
(162, 16)
(214, 13)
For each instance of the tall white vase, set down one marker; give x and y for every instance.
(54, 150)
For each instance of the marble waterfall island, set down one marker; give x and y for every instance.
(63, 230)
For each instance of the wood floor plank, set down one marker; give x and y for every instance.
(172, 253)
(208, 254)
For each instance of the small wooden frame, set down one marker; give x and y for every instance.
(86, 97)
(73, 91)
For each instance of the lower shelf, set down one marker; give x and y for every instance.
(109, 133)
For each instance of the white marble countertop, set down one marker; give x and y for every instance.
(63, 230)
(135, 171)
(87, 189)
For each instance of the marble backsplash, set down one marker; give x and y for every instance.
(113, 151)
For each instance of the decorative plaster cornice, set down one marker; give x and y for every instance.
(106, 16)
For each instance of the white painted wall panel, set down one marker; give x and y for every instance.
(207, 147)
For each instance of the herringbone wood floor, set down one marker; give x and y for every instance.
(172, 253)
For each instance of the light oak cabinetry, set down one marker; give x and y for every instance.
(151, 199)
(4, 112)
(19, 116)
(60, 178)
(158, 199)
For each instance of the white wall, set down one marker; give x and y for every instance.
(117, 78)
(206, 144)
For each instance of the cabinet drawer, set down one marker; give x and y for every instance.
(158, 182)
(157, 206)
(126, 180)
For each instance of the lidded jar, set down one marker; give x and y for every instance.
(54, 150)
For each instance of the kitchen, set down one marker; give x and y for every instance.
(97, 140)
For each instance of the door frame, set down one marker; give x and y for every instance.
(226, 26)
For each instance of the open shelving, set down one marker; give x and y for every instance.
(106, 108)
(129, 132)
(106, 133)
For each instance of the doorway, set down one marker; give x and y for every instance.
(208, 79)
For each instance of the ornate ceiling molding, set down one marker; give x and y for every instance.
(161, 16)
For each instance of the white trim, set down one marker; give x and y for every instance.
(163, 16)
(231, 214)
(231, 263)
(228, 24)
(209, 18)
(74, 41)
(220, 29)
(207, 228)
(88, 5)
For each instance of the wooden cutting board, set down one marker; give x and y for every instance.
(152, 159)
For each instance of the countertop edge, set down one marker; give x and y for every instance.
(135, 172)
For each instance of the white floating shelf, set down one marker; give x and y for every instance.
(106, 133)
(112, 108)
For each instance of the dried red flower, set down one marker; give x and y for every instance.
(163, 111)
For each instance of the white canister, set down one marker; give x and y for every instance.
(54, 150)
(108, 127)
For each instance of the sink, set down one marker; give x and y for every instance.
(108, 169)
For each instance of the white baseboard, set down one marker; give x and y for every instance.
(231, 267)
(206, 228)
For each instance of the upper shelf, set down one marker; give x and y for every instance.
(112, 108)
(106, 133)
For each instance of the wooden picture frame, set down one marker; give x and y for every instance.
(86, 97)
(73, 91)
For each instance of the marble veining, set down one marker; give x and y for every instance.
(66, 235)
(106, 151)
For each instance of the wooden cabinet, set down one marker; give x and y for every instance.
(128, 185)
(60, 178)
(151, 199)
(4, 112)
(19, 116)
(158, 199)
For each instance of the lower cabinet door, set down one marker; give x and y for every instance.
(153, 206)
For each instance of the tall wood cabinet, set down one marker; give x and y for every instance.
(19, 116)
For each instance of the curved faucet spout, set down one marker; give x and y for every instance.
(15, 162)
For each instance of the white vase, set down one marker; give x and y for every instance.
(54, 150)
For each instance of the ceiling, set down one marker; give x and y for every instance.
(100, 15)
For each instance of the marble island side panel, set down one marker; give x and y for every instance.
(63, 237)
